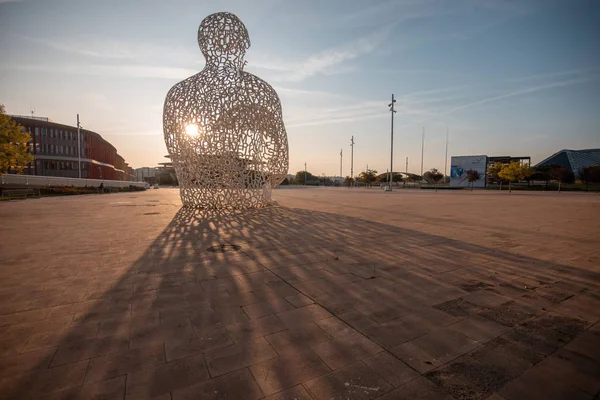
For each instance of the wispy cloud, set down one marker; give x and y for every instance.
(558, 74)
(323, 62)
(520, 92)
(93, 46)
(130, 71)
(511, 94)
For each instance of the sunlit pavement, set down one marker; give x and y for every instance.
(334, 294)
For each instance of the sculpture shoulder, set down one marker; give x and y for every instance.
(253, 83)
(189, 83)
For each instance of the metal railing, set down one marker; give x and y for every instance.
(42, 181)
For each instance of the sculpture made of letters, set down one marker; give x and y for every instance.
(223, 127)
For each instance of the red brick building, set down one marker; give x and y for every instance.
(54, 148)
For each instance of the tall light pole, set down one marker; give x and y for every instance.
(446, 159)
(341, 158)
(392, 111)
(305, 174)
(422, 151)
(406, 172)
(78, 146)
(352, 161)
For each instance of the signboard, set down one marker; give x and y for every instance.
(461, 164)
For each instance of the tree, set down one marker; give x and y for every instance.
(472, 177)
(14, 149)
(525, 173)
(368, 177)
(493, 173)
(590, 174)
(414, 178)
(348, 181)
(561, 174)
(433, 175)
(510, 172)
(299, 179)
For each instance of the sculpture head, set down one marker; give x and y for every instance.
(223, 38)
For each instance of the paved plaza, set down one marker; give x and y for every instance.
(332, 294)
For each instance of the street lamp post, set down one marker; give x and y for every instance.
(352, 161)
(341, 159)
(304, 174)
(78, 147)
(392, 111)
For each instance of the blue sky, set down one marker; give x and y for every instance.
(507, 77)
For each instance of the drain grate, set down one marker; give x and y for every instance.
(151, 213)
(224, 248)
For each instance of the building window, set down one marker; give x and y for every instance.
(37, 131)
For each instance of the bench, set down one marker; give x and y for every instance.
(20, 193)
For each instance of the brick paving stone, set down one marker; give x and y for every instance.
(503, 355)
(485, 298)
(88, 348)
(299, 336)
(25, 362)
(415, 357)
(511, 313)
(223, 317)
(110, 389)
(226, 359)
(163, 378)
(235, 385)
(586, 343)
(445, 344)
(356, 381)
(299, 300)
(124, 362)
(536, 384)
(479, 328)
(24, 316)
(430, 318)
(466, 378)
(582, 307)
(38, 383)
(391, 368)
(299, 316)
(287, 370)
(418, 389)
(205, 340)
(345, 350)
(577, 369)
(273, 306)
(547, 333)
(393, 333)
(245, 330)
(334, 326)
(385, 312)
(295, 393)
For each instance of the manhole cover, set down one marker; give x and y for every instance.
(224, 248)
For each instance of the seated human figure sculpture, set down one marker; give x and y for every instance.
(223, 127)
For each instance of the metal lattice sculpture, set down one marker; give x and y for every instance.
(223, 127)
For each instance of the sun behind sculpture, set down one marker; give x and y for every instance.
(223, 127)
